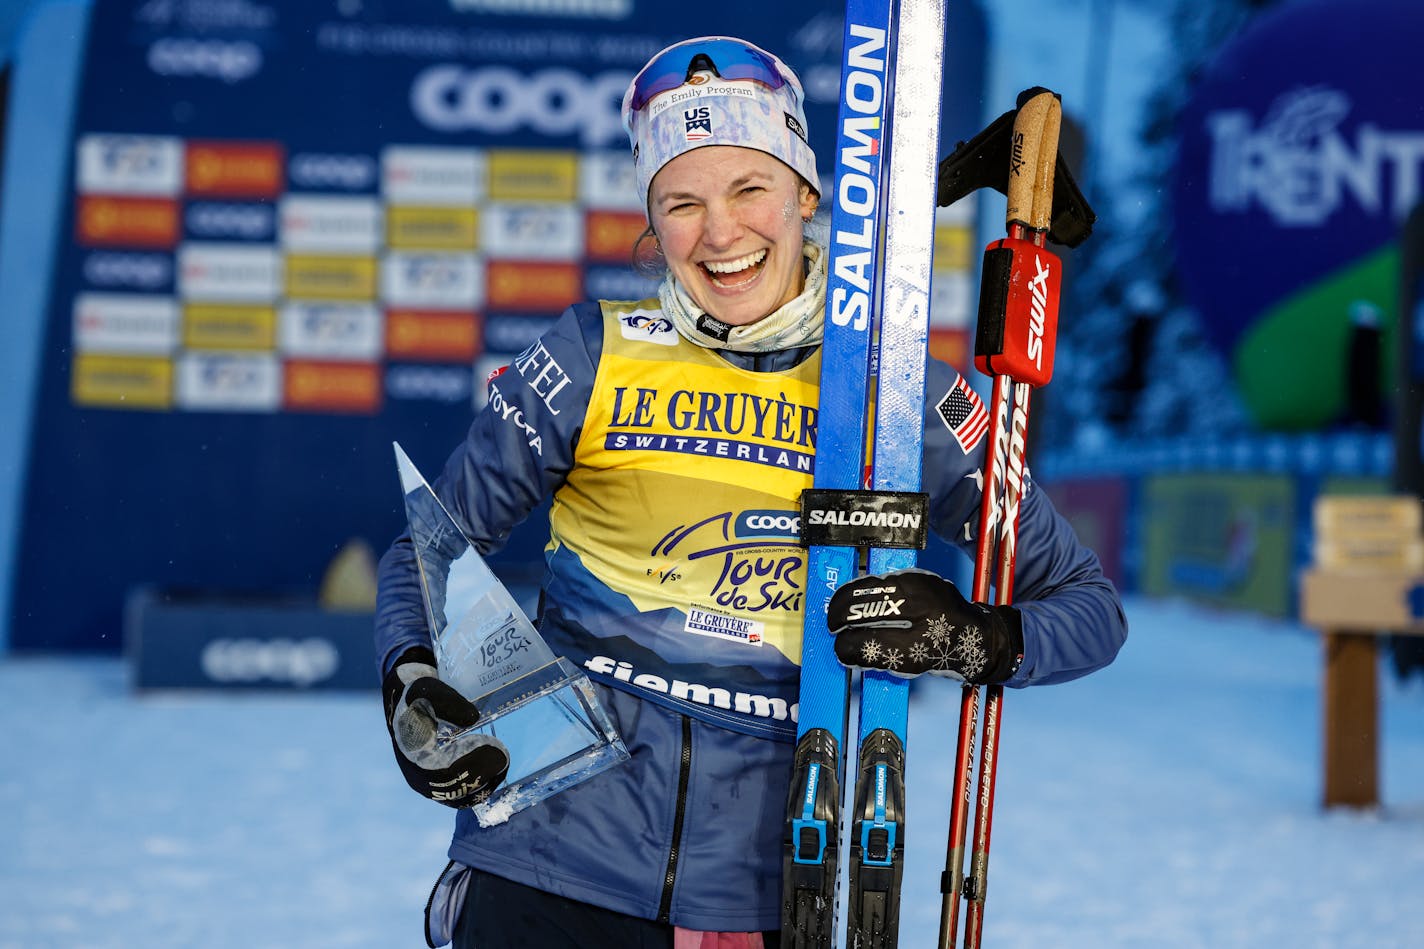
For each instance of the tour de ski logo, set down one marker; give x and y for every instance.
(745, 557)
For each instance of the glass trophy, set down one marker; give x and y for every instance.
(541, 706)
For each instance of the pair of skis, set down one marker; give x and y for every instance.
(877, 328)
(872, 397)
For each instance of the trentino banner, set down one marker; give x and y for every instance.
(1300, 153)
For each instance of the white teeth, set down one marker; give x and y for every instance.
(733, 266)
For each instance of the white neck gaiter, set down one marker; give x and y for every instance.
(798, 323)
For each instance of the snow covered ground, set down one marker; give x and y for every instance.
(1170, 800)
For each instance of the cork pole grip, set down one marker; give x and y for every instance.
(1047, 159)
(1023, 158)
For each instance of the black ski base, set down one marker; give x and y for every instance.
(808, 918)
(877, 858)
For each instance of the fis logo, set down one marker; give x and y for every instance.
(697, 123)
(330, 321)
(431, 273)
(1038, 285)
(886, 606)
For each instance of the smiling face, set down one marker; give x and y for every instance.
(730, 224)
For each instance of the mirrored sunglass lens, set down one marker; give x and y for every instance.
(733, 61)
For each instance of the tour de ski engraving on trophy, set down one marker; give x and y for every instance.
(541, 706)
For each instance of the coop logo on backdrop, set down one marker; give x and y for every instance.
(498, 100)
(589, 9)
(784, 524)
(436, 384)
(299, 662)
(136, 270)
(213, 220)
(347, 172)
(230, 62)
(1299, 165)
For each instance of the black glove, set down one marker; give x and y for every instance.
(457, 773)
(913, 621)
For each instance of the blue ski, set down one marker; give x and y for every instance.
(883, 90)
(812, 837)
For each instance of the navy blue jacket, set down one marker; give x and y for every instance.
(689, 830)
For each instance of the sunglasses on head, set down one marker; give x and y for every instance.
(728, 58)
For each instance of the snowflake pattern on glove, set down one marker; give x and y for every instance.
(941, 631)
(911, 622)
(968, 657)
(942, 647)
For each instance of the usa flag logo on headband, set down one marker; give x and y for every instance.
(697, 123)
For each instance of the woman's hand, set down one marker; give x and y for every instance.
(913, 621)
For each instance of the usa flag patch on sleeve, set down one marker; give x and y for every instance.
(964, 415)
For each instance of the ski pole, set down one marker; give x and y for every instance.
(1014, 344)
(1038, 330)
(952, 884)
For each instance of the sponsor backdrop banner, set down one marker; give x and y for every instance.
(298, 232)
(1299, 158)
(1098, 509)
(1220, 538)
